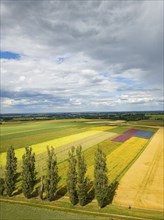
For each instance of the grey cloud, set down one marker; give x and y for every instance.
(115, 37)
(39, 98)
(114, 32)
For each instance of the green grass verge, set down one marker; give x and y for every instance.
(64, 210)
(14, 211)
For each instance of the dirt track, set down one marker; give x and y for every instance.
(143, 185)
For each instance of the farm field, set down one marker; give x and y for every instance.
(64, 134)
(58, 142)
(119, 159)
(17, 212)
(62, 209)
(94, 134)
(150, 122)
(142, 185)
(22, 134)
(67, 133)
(156, 116)
(97, 121)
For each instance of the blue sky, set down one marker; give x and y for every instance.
(9, 55)
(60, 56)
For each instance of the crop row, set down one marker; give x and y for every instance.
(119, 159)
(42, 147)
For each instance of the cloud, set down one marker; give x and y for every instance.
(82, 55)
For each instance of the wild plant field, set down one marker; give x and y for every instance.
(64, 134)
(67, 133)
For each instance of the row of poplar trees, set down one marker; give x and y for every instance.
(28, 174)
(77, 181)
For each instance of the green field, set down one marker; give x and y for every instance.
(58, 142)
(62, 135)
(24, 134)
(67, 133)
(150, 122)
(20, 208)
(17, 212)
(156, 116)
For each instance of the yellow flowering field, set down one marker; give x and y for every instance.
(42, 147)
(120, 158)
(102, 128)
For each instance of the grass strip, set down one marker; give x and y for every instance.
(73, 210)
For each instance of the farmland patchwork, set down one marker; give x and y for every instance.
(144, 134)
(120, 159)
(70, 140)
(125, 136)
(122, 145)
(133, 133)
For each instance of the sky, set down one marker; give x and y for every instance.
(82, 55)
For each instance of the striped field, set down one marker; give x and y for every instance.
(42, 147)
(143, 185)
(62, 135)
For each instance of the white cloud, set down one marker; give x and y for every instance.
(82, 55)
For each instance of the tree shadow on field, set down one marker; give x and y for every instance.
(18, 177)
(90, 192)
(17, 192)
(18, 189)
(112, 191)
(35, 193)
(37, 181)
(61, 192)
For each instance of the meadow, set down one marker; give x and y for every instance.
(62, 134)
(10, 212)
(15, 208)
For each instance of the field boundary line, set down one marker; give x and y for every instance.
(86, 212)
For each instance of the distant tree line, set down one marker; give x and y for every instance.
(77, 181)
(128, 116)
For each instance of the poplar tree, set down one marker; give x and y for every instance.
(10, 174)
(28, 172)
(100, 178)
(72, 177)
(52, 174)
(81, 177)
